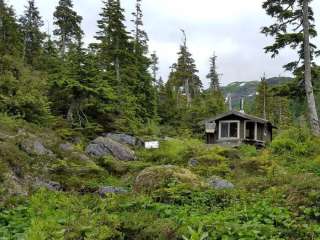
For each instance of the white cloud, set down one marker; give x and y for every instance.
(202, 10)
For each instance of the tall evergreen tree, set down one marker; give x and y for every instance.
(213, 76)
(68, 25)
(140, 36)
(145, 89)
(154, 65)
(31, 23)
(184, 74)
(116, 57)
(79, 89)
(263, 100)
(113, 47)
(10, 37)
(282, 116)
(294, 27)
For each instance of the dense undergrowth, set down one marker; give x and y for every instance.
(276, 194)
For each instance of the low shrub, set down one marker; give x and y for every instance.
(120, 168)
(295, 143)
(14, 221)
(170, 152)
(248, 150)
(157, 177)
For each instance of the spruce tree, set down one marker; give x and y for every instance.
(184, 74)
(213, 76)
(68, 25)
(78, 88)
(263, 100)
(113, 38)
(116, 57)
(182, 87)
(145, 89)
(294, 27)
(10, 36)
(140, 36)
(31, 23)
(154, 65)
(281, 115)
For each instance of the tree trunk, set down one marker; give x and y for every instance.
(63, 46)
(312, 110)
(72, 109)
(24, 49)
(117, 62)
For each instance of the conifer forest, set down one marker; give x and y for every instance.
(100, 141)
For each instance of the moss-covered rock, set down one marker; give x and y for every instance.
(156, 177)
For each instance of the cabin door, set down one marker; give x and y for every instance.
(250, 130)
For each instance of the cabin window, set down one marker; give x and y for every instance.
(229, 129)
(224, 130)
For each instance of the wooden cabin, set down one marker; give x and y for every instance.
(235, 128)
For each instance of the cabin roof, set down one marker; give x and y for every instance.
(238, 114)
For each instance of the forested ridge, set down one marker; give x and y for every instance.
(74, 117)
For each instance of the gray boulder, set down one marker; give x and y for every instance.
(104, 146)
(50, 185)
(122, 138)
(193, 162)
(103, 191)
(66, 147)
(219, 183)
(35, 147)
(80, 156)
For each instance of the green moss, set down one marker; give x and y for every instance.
(120, 168)
(153, 178)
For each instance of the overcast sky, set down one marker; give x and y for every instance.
(230, 28)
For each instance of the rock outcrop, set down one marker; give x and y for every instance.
(103, 191)
(35, 147)
(66, 147)
(123, 138)
(50, 185)
(219, 183)
(104, 146)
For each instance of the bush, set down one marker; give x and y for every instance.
(295, 143)
(157, 177)
(248, 150)
(170, 152)
(23, 92)
(181, 151)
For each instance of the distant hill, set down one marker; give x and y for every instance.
(249, 89)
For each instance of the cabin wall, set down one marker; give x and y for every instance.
(213, 138)
(210, 138)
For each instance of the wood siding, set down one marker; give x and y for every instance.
(213, 138)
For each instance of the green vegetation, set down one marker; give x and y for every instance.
(57, 94)
(276, 193)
